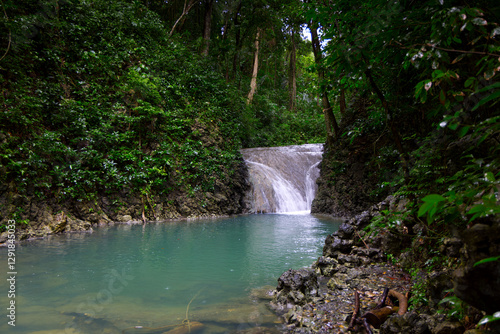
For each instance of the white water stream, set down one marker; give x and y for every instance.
(283, 179)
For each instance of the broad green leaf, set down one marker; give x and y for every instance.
(487, 319)
(487, 99)
(477, 209)
(492, 86)
(463, 131)
(489, 176)
(438, 74)
(432, 212)
(424, 208)
(433, 198)
(469, 82)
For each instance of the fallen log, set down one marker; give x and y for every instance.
(379, 314)
(377, 317)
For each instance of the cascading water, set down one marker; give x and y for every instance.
(283, 179)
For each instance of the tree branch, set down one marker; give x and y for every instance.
(10, 33)
(445, 49)
(355, 313)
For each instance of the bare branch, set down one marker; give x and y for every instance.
(10, 33)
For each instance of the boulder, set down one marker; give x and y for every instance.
(345, 231)
(335, 244)
(409, 323)
(449, 328)
(296, 287)
(479, 285)
(438, 284)
(325, 266)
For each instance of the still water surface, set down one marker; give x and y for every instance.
(157, 275)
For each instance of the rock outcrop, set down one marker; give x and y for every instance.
(479, 285)
(37, 217)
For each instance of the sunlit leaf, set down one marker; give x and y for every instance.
(489, 74)
(489, 259)
(479, 21)
(428, 85)
(489, 176)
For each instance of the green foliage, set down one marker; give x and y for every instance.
(489, 319)
(267, 124)
(418, 297)
(432, 204)
(472, 192)
(486, 260)
(106, 103)
(387, 219)
(456, 308)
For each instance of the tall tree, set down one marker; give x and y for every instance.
(237, 38)
(185, 11)
(253, 82)
(292, 82)
(330, 120)
(209, 5)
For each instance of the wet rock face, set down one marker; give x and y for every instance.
(347, 265)
(438, 284)
(479, 285)
(326, 266)
(334, 244)
(409, 323)
(296, 287)
(38, 218)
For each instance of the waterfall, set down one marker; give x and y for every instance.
(283, 179)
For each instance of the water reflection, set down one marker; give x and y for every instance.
(130, 275)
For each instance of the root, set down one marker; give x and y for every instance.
(186, 320)
(376, 317)
(169, 328)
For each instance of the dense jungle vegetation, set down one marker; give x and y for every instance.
(99, 95)
(154, 96)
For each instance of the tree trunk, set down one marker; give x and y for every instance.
(185, 11)
(209, 4)
(237, 40)
(293, 73)
(342, 101)
(253, 82)
(330, 121)
(390, 121)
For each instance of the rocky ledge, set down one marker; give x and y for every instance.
(321, 299)
(38, 217)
